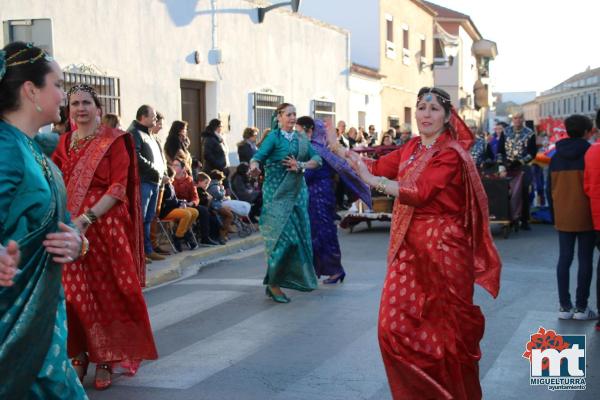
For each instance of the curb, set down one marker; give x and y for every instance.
(190, 262)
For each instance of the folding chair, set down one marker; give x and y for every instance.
(163, 224)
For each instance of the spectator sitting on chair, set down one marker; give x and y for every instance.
(175, 209)
(245, 190)
(217, 191)
(185, 189)
(202, 182)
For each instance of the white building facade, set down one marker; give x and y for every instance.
(365, 97)
(467, 79)
(394, 38)
(191, 60)
(580, 94)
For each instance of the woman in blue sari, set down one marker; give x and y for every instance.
(33, 333)
(284, 221)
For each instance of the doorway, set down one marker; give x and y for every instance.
(193, 110)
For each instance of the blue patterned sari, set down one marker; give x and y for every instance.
(284, 221)
(33, 333)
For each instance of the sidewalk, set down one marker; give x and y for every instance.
(190, 262)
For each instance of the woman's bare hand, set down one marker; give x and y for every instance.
(64, 245)
(290, 163)
(9, 261)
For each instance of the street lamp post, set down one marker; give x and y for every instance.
(263, 10)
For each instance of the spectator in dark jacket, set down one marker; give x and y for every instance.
(247, 147)
(217, 190)
(202, 181)
(496, 146)
(591, 184)
(245, 190)
(214, 155)
(572, 217)
(152, 167)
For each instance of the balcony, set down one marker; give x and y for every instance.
(485, 48)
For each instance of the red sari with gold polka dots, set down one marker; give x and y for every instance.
(440, 245)
(106, 311)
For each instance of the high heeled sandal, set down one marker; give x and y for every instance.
(282, 298)
(80, 366)
(102, 384)
(331, 281)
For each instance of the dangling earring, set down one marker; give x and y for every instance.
(38, 108)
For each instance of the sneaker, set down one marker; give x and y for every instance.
(585, 315)
(565, 313)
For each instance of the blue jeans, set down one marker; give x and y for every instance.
(585, 255)
(149, 197)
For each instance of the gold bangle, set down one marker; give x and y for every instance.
(85, 246)
(381, 184)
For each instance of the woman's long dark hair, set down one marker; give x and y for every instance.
(173, 143)
(213, 125)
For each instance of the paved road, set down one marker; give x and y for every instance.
(220, 338)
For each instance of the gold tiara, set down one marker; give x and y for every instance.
(29, 60)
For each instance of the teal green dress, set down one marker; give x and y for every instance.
(33, 326)
(284, 221)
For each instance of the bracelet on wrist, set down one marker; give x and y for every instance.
(91, 216)
(86, 220)
(301, 167)
(85, 246)
(382, 184)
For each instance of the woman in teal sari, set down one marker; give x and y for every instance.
(284, 222)
(33, 333)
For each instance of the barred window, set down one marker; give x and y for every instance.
(263, 105)
(108, 89)
(324, 110)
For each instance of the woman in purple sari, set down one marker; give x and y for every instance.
(321, 207)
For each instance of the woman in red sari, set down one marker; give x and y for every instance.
(440, 245)
(106, 312)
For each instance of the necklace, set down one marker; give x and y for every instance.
(419, 149)
(77, 142)
(40, 159)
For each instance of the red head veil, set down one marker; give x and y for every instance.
(460, 131)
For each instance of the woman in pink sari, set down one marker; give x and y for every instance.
(440, 246)
(106, 312)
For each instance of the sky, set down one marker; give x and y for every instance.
(540, 43)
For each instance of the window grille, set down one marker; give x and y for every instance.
(324, 110)
(263, 105)
(108, 89)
